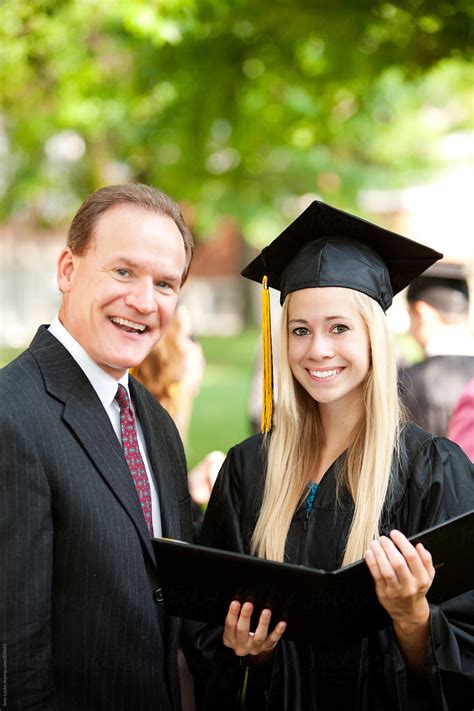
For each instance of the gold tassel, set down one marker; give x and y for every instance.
(243, 691)
(267, 365)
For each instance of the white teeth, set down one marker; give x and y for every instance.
(322, 373)
(130, 324)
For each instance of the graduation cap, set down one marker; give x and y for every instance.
(324, 247)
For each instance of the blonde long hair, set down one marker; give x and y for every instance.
(296, 438)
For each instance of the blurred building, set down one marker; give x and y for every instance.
(219, 300)
(29, 294)
(214, 290)
(439, 215)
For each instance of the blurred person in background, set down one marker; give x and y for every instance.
(173, 372)
(91, 468)
(461, 424)
(174, 369)
(438, 306)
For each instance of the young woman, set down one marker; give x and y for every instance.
(342, 476)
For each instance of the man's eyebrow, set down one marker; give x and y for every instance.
(131, 264)
(126, 261)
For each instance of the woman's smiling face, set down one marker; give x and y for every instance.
(328, 345)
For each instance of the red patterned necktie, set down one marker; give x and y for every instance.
(132, 454)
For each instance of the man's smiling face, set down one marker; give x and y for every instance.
(120, 295)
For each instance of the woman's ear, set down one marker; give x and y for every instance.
(65, 270)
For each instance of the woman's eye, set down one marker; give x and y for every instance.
(339, 328)
(300, 331)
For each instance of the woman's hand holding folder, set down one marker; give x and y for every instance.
(403, 574)
(237, 634)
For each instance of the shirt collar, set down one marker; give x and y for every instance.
(103, 383)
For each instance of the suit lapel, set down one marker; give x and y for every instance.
(85, 415)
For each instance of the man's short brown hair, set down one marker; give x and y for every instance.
(145, 197)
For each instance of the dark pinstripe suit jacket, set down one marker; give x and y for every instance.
(81, 624)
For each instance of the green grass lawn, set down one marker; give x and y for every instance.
(7, 354)
(219, 417)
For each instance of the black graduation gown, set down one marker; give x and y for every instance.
(433, 482)
(430, 389)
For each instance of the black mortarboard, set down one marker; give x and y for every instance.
(325, 246)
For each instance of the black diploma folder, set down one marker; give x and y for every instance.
(319, 606)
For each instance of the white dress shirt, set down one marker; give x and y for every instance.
(106, 388)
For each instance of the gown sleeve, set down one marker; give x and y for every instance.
(439, 486)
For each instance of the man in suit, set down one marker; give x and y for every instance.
(438, 306)
(82, 611)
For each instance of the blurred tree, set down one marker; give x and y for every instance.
(236, 106)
